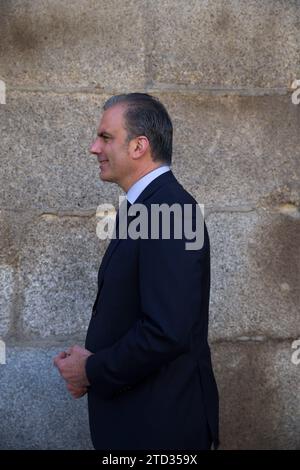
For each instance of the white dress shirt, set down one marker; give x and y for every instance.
(138, 187)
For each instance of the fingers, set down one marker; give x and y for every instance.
(69, 372)
(73, 349)
(71, 387)
(61, 355)
(76, 392)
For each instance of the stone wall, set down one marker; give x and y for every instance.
(224, 70)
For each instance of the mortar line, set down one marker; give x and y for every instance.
(53, 341)
(155, 88)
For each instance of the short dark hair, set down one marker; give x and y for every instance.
(146, 115)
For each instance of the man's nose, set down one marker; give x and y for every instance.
(95, 148)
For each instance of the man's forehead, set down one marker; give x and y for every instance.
(112, 119)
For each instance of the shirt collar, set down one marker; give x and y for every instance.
(138, 187)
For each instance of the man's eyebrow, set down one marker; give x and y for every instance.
(104, 134)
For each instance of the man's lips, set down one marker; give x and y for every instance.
(102, 164)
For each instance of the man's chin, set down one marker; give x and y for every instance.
(104, 177)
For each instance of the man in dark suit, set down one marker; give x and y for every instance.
(146, 364)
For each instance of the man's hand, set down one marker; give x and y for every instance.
(71, 365)
(76, 392)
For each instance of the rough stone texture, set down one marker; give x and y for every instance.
(255, 275)
(58, 275)
(225, 43)
(9, 228)
(234, 150)
(123, 44)
(6, 289)
(251, 377)
(45, 160)
(259, 395)
(12, 227)
(226, 150)
(238, 154)
(36, 410)
(74, 42)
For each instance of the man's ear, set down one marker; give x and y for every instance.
(139, 146)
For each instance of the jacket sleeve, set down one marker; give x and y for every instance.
(170, 280)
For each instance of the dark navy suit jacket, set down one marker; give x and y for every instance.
(152, 383)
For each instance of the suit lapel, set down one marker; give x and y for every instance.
(107, 255)
(155, 185)
(161, 180)
(110, 249)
